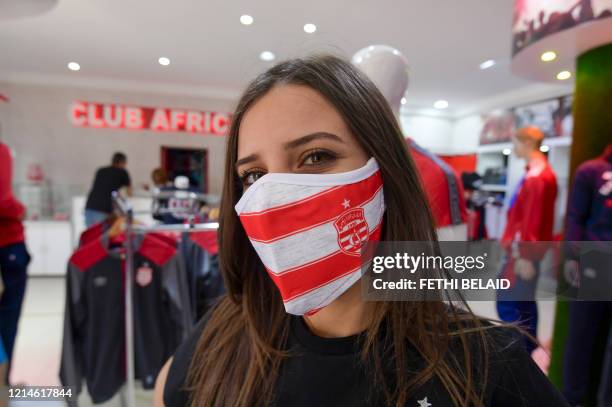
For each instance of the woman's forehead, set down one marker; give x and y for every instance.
(287, 112)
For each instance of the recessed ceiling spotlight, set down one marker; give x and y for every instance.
(74, 66)
(548, 56)
(403, 101)
(506, 151)
(164, 61)
(544, 148)
(564, 75)
(246, 19)
(310, 28)
(441, 104)
(487, 64)
(267, 56)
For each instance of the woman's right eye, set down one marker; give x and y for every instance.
(249, 177)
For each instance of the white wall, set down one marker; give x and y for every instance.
(466, 134)
(432, 133)
(36, 126)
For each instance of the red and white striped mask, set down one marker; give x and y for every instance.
(308, 230)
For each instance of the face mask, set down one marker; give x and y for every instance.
(308, 230)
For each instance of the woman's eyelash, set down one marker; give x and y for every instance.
(326, 153)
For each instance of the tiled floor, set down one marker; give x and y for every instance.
(38, 349)
(39, 342)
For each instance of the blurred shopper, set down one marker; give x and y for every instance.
(301, 195)
(3, 364)
(530, 219)
(3, 367)
(476, 203)
(589, 217)
(14, 257)
(159, 176)
(108, 179)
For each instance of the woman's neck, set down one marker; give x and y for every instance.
(348, 315)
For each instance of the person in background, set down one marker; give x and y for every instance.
(14, 257)
(3, 361)
(589, 217)
(108, 179)
(530, 219)
(475, 202)
(159, 176)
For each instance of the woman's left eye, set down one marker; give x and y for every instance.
(318, 158)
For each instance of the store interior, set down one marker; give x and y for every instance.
(158, 82)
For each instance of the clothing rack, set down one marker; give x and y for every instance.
(125, 209)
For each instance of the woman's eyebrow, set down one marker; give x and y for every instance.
(246, 160)
(310, 137)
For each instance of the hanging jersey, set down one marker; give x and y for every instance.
(589, 213)
(442, 187)
(94, 326)
(202, 266)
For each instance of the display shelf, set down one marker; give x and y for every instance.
(494, 188)
(557, 141)
(499, 147)
(493, 148)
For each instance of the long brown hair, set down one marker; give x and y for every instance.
(237, 359)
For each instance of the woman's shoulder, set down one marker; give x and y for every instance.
(176, 392)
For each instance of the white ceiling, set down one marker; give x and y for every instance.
(119, 41)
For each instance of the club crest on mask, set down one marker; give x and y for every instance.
(352, 231)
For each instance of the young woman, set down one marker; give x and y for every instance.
(316, 165)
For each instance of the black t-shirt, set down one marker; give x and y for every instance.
(329, 372)
(107, 180)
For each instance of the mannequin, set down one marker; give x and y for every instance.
(530, 219)
(388, 69)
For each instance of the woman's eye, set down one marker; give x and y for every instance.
(249, 178)
(317, 158)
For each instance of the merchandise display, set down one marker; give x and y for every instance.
(175, 278)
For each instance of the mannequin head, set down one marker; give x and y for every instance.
(388, 69)
(526, 141)
(181, 182)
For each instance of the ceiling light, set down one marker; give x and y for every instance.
(267, 56)
(74, 66)
(487, 64)
(403, 101)
(164, 61)
(544, 149)
(506, 151)
(246, 19)
(548, 56)
(564, 75)
(310, 28)
(441, 104)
